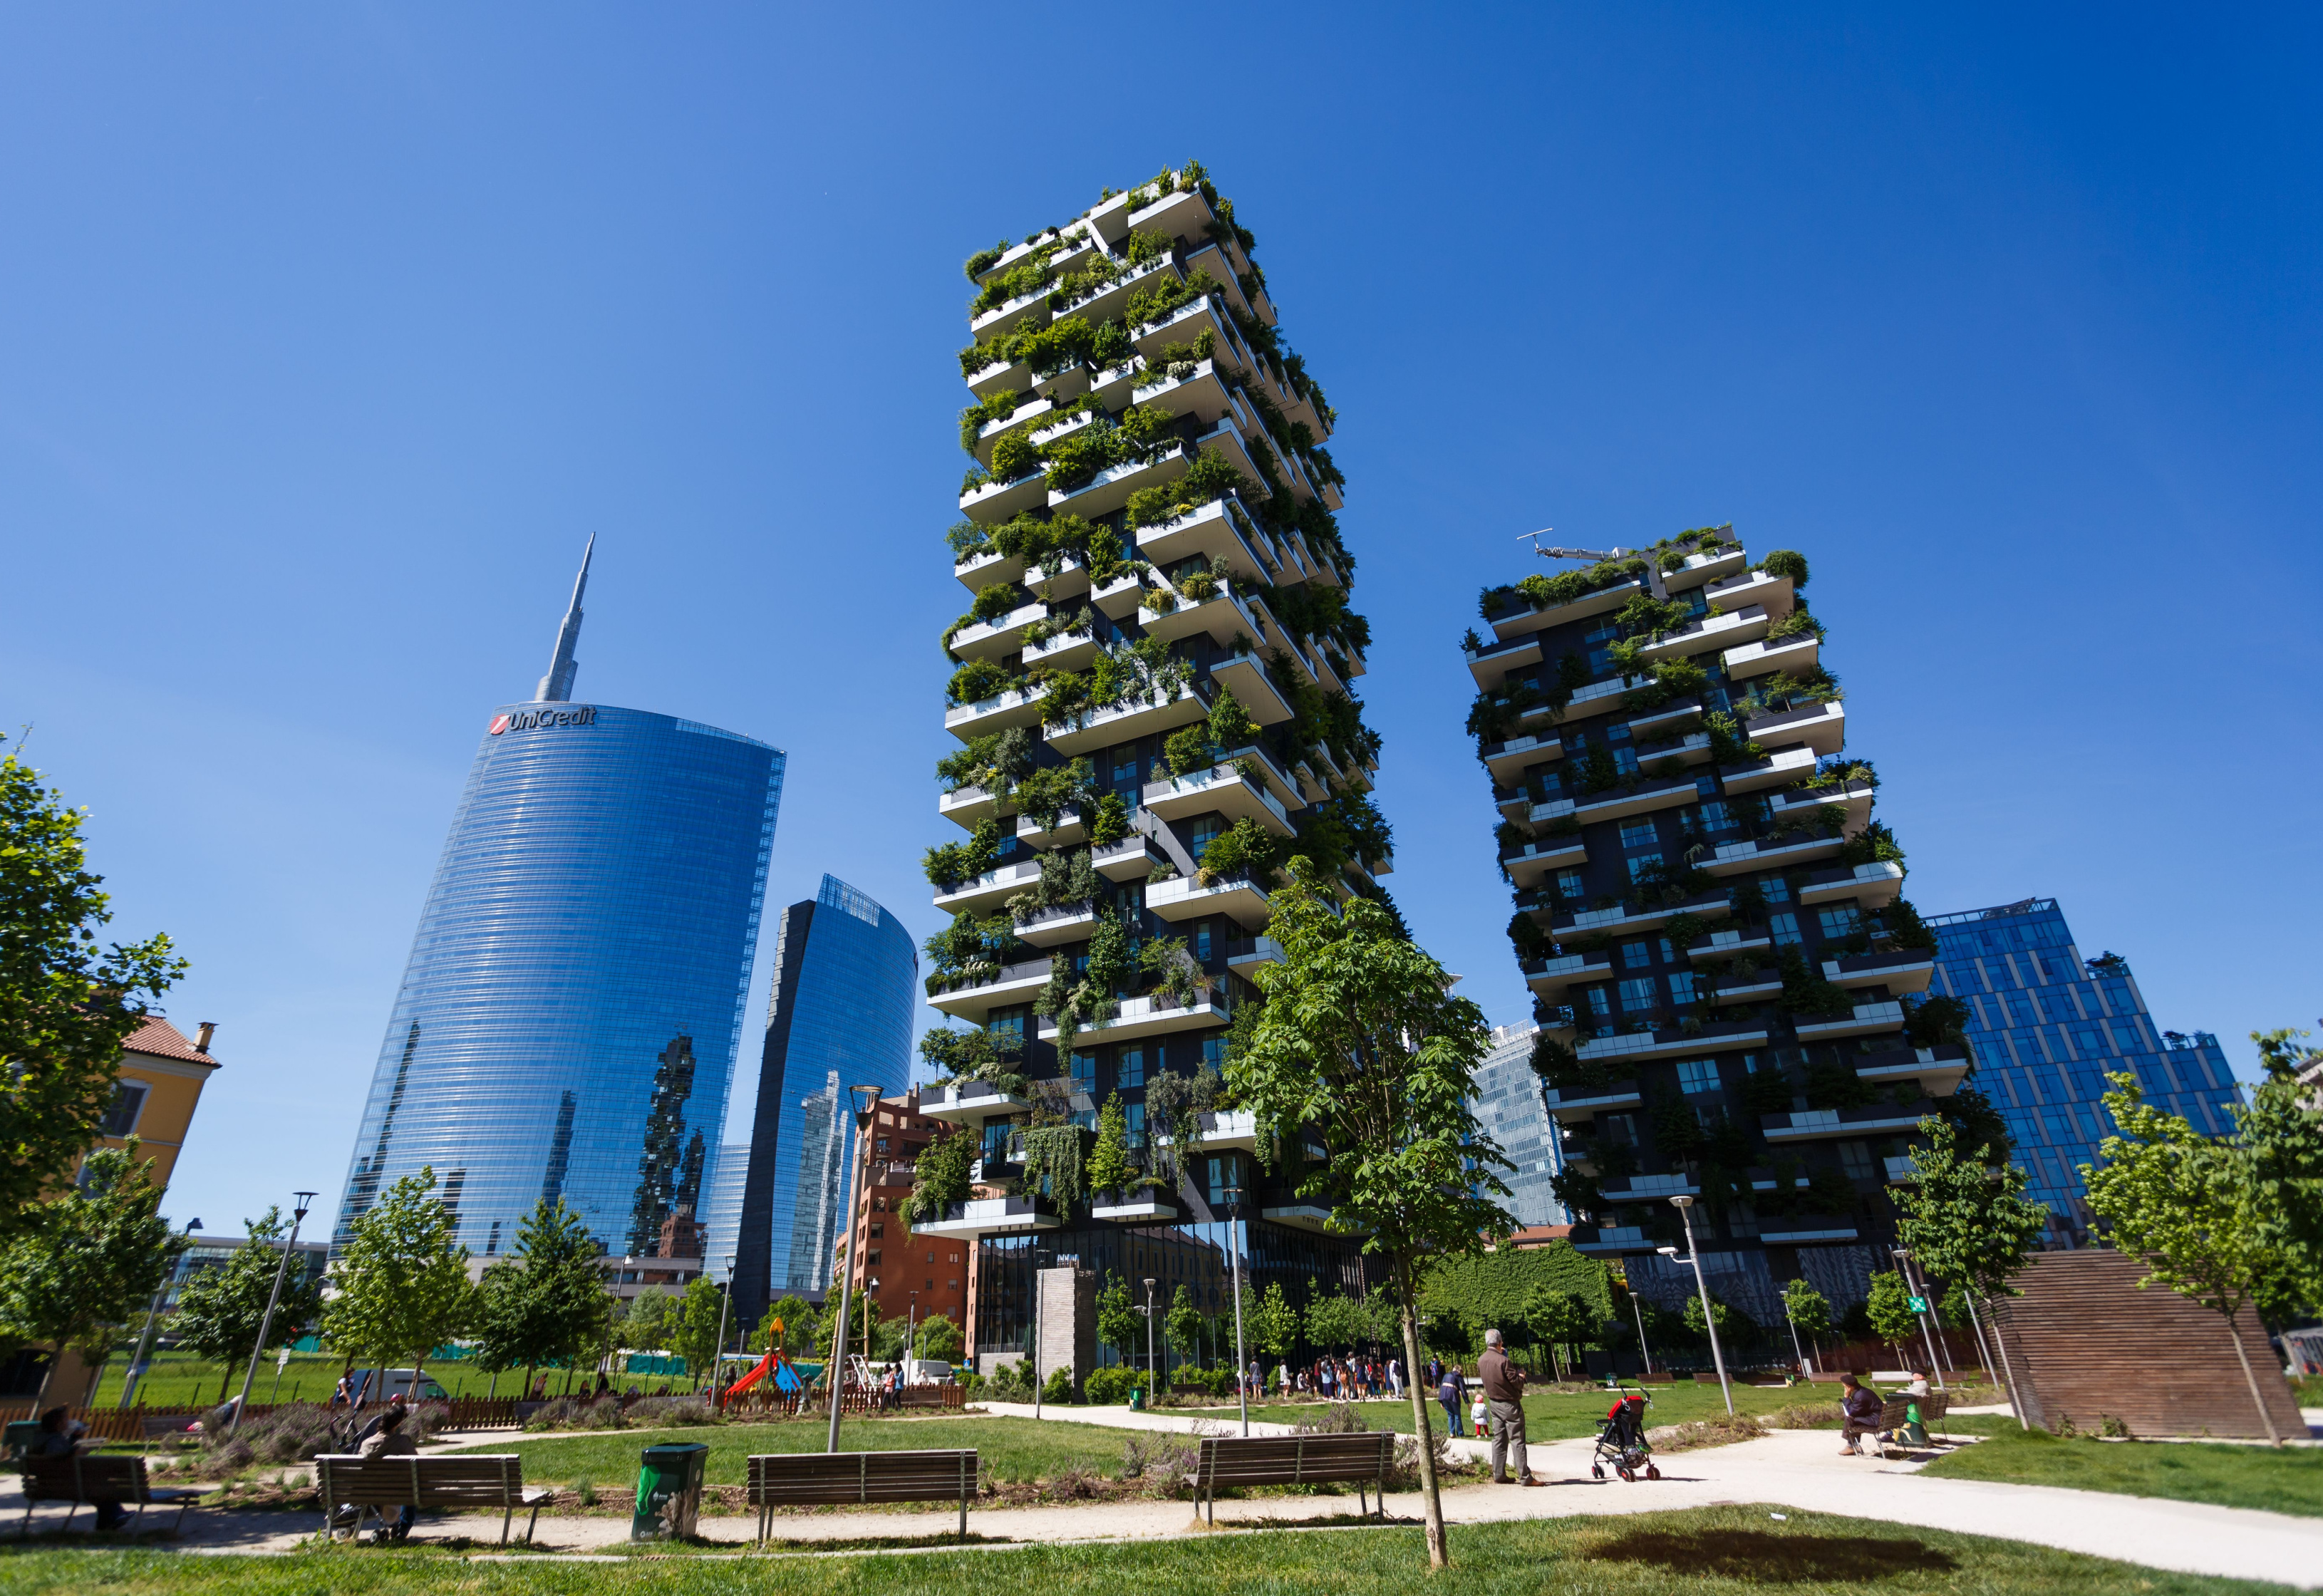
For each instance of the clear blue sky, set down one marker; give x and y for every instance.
(329, 333)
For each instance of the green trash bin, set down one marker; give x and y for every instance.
(1137, 1398)
(669, 1492)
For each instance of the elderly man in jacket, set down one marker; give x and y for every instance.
(1503, 1384)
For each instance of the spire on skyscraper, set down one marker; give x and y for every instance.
(556, 687)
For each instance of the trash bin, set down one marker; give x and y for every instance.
(1137, 1398)
(669, 1492)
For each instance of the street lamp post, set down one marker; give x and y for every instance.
(1796, 1351)
(1153, 1375)
(1644, 1351)
(1708, 1319)
(266, 1325)
(717, 1361)
(1904, 1264)
(912, 1332)
(1040, 1293)
(1233, 1257)
(836, 1374)
(129, 1386)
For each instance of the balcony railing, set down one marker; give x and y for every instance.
(1624, 918)
(984, 1217)
(1668, 1041)
(1868, 1019)
(1873, 886)
(1814, 1125)
(1010, 983)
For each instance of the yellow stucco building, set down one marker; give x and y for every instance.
(162, 1077)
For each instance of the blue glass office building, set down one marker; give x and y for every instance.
(2047, 1026)
(840, 1014)
(567, 1022)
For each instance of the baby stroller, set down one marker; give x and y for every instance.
(1622, 1441)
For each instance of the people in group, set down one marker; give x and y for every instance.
(1502, 1399)
(62, 1436)
(1452, 1391)
(1858, 1409)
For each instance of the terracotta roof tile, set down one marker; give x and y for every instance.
(158, 1039)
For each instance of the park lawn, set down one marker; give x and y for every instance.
(1704, 1552)
(1011, 1449)
(180, 1380)
(2287, 1482)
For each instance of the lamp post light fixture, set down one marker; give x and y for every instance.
(1233, 1257)
(152, 1311)
(1708, 1319)
(1153, 1375)
(1645, 1351)
(1911, 1284)
(718, 1361)
(835, 1376)
(266, 1325)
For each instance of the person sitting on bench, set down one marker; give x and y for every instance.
(390, 1441)
(1858, 1410)
(61, 1436)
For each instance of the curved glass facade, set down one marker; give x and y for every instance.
(568, 1019)
(840, 1014)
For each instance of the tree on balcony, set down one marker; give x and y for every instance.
(1363, 1049)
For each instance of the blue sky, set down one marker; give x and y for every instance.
(328, 334)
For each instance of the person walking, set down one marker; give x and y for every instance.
(1503, 1384)
(1452, 1391)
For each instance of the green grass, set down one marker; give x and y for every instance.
(180, 1380)
(1554, 1418)
(1706, 1552)
(1013, 1449)
(2287, 1482)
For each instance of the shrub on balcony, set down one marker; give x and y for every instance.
(1580, 1193)
(1198, 585)
(1014, 456)
(966, 538)
(1672, 680)
(1833, 1084)
(1055, 1162)
(1798, 623)
(1786, 561)
(939, 1177)
(1807, 995)
(1597, 771)
(1110, 1167)
(1243, 848)
(954, 862)
(993, 1057)
(1530, 942)
(1047, 792)
(1766, 1090)
(983, 261)
(1874, 844)
(979, 680)
(998, 407)
(1900, 926)
(1727, 744)
(1110, 822)
(1677, 1132)
(1936, 1022)
(1189, 750)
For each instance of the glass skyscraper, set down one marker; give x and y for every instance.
(567, 1022)
(2047, 1026)
(840, 1015)
(1510, 1104)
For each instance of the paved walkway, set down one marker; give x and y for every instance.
(1799, 1469)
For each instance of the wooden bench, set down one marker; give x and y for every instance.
(1293, 1460)
(451, 1479)
(92, 1477)
(839, 1479)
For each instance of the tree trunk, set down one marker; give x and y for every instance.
(2242, 1357)
(47, 1379)
(226, 1383)
(1439, 1554)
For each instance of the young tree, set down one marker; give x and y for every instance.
(402, 1282)
(1967, 1219)
(795, 1316)
(1558, 1317)
(65, 1007)
(1335, 1320)
(1363, 1048)
(2281, 1132)
(1184, 1321)
(941, 1339)
(221, 1309)
(1119, 1324)
(92, 1256)
(2187, 1205)
(1273, 1329)
(547, 1303)
(1889, 1309)
(1810, 1314)
(693, 1335)
(646, 1326)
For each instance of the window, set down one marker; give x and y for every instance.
(878, 1231)
(996, 1141)
(872, 1257)
(1839, 921)
(1569, 883)
(1638, 955)
(1668, 955)
(1785, 929)
(1639, 994)
(1225, 1174)
(1129, 1068)
(1717, 817)
(1085, 1119)
(128, 1103)
(1855, 1158)
(1085, 1072)
(1697, 1075)
(883, 1143)
(1625, 760)
(1213, 1051)
(1202, 942)
(1618, 1130)
(931, 1258)
(1777, 890)
(2087, 1044)
(1638, 834)
(1681, 984)
(1205, 832)
(1008, 1020)
(1599, 1005)
(1125, 766)
(1135, 1116)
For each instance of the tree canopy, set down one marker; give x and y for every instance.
(87, 1262)
(402, 1282)
(221, 1310)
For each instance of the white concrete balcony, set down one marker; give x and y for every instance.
(1511, 757)
(1110, 489)
(1025, 310)
(1132, 858)
(1019, 706)
(1700, 570)
(1905, 970)
(990, 503)
(1737, 858)
(1776, 770)
(1492, 664)
(1132, 1208)
(1253, 760)
(1573, 1107)
(1650, 1188)
(1247, 954)
(1013, 984)
(1673, 1041)
(1539, 815)
(992, 1216)
(1829, 1124)
(1610, 1238)
(1820, 727)
(1598, 697)
(1806, 1229)
(1670, 720)
(1525, 618)
(1244, 674)
(989, 891)
(1113, 385)
(1186, 898)
(1808, 805)
(966, 807)
(1938, 1070)
(1027, 414)
(1552, 978)
(1202, 394)
(1790, 656)
(1308, 1216)
(1186, 324)
(1067, 651)
(1074, 242)
(1712, 631)
(1651, 793)
(1868, 1019)
(1872, 886)
(971, 1103)
(1758, 986)
(1689, 750)
(1527, 865)
(1210, 530)
(1156, 1015)
(1058, 923)
(1120, 596)
(1070, 830)
(1221, 789)
(1004, 635)
(999, 377)
(1183, 212)
(1103, 304)
(1753, 588)
(1223, 616)
(1125, 722)
(1729, 942)
(1900, 1170)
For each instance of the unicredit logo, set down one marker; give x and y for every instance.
(534, 719)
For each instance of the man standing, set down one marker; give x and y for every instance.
(1503, 1384)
